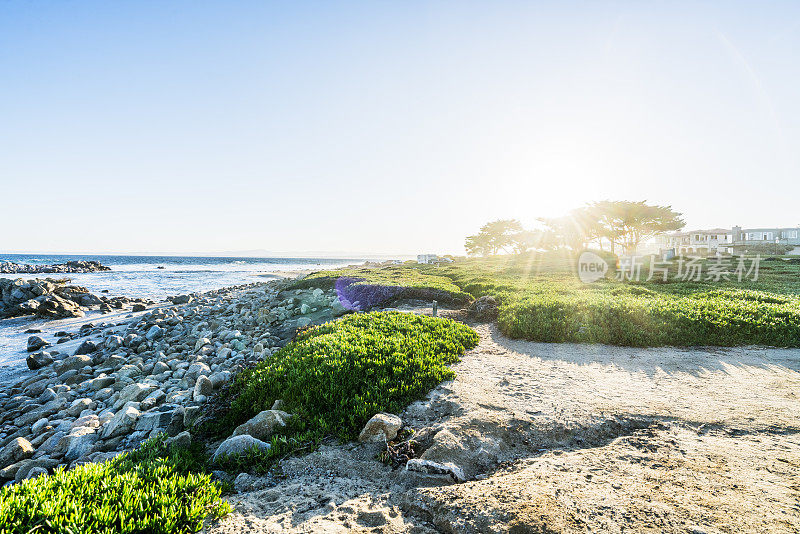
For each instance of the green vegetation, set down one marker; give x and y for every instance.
(543, 300)
(616, 223)
(365, 285)
(153, 489)
(336, 376)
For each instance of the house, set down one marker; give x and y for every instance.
(701, 242)
(724, 241)
(784, 236)
(427, 258)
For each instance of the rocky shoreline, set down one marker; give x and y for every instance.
(51, 298)
(129, 381)
(74, 266)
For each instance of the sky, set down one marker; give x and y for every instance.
(346, 128)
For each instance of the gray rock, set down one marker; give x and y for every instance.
(237, 445)
(87, 347)
(35, 343)
(79, 405)
(195, 370)
(155, 332)
(122, 422)
(38, 360)
(160, 367)
(73, 363)
(113, 342)
(128, 371)
(152, 400)
(203, 387)
(382, 427)
(182, 440)
(18, 449)
(263, 425)
(36, 472)
(101, 382)
(79, 442)
(39, 425)
(133, 393)
(157, 419)
(446, 472)
(218, 379)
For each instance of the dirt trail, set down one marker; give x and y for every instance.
(569, 438)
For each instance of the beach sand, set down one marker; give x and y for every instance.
(568, 438)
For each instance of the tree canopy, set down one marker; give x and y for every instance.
(620, 222)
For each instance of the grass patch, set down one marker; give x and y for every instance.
(541, 299)
(336, 376)
(152, 489)
(364, 288)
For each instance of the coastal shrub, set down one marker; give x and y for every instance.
(541, 299)
(336, 376)
(154, 489)
(362, 288)
(553, 306)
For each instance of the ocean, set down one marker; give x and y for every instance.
(154, 277)
(157, 277)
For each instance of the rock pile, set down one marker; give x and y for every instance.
(53, 299)
(78, 266)
(127, 383)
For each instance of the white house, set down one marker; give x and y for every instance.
(704, 242)
(427, 258)
(724, 241)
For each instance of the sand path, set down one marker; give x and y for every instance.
(568, 438)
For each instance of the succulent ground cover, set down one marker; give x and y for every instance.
(542, 299)
(155, 489)
(363, 288)
(336, 376)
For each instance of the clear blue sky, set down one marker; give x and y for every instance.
(380, 127)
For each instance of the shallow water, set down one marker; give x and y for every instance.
(141, 276)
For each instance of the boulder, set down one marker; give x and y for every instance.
(101, 382)
(139, 307)
(182, 440)
(152, 400)
(18, 449)
(263, 425)
(79, 442)
(87, 347)
(446, 472)
(219, 378)
(33, 466)
(79, 405)
(195, 370)
(73, 363)
(38, 360)
(382, 427)
(35, 343)
(35, 472)
(55, 307)
(155, 332)
(133, 393)
(113, 342)
(203, 387)
(236, 445)
(122, 423)
(157, 419)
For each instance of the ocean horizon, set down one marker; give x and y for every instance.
(157, 277)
